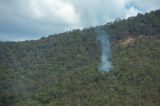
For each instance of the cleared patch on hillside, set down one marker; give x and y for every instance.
(128, 41)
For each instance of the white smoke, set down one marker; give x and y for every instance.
(105, 65)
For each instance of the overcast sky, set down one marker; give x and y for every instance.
(32, 19)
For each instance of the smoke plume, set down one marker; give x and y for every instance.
(102, 37)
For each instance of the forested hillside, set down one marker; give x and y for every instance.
(62, 69)
(141, 25)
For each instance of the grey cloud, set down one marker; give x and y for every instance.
(32, 19)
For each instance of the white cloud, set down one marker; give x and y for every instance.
(29, 19)
(132, 12)
(147, 5)
(47, 11)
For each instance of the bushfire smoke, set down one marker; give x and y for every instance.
(105, 65)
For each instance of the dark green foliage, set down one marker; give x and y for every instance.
(146, 25)
(42, 70)
(62, 70)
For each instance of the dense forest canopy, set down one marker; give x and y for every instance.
(62, 69)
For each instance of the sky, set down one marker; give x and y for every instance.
(32, 19)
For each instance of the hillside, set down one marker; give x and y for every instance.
(62, 69)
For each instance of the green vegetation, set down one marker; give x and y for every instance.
(62, 70)
(146, 25)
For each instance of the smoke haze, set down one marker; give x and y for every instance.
(102, 37)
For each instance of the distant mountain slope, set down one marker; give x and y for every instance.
(146, 25)
(62, 70)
